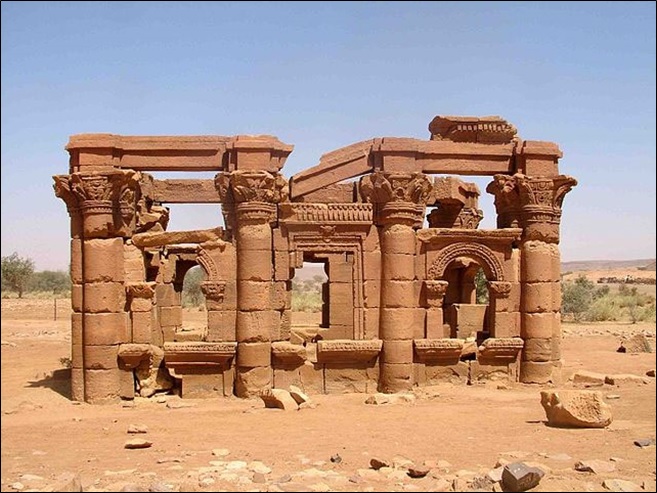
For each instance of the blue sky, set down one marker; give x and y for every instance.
(324, 75)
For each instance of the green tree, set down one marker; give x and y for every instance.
(16, 273)
(50, 280)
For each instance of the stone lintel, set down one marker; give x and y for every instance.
(173, 237)
(132, 355)
(501, 350)
(187, 355)
(446, 235)
(444, 351)
(287, 354)
(333, 213)
(348, 350)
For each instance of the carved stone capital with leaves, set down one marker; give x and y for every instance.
(499, 289)
(435, 292)
(251, 186)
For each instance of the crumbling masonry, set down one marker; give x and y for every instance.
(399, 304)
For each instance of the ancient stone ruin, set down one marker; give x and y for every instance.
(399, 304)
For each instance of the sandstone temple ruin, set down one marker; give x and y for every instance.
(401, 250)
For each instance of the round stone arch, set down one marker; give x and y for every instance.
(204, 259)
(483, 255)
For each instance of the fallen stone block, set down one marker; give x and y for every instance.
(279, 398)
(620, 485)
(625, 379)
(595, 466)
(517, 476)
(588, 378)
(576, 408)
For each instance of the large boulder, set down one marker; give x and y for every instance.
(576, 408)
(638, 343)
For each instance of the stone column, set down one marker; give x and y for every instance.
(400, 201)
(535, 205)
(107, 202)
(64, 192)
(254, 195)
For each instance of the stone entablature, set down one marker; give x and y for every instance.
(399, 302)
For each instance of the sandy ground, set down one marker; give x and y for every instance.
(460, 432)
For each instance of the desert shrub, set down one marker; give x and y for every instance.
(601, 310)
(192, 296)
(16, 273)
(307, 302)
(55, 281)
(577, 297)
(481, 285)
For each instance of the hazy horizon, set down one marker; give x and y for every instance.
(321, 76)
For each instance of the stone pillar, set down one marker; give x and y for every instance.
(535, 205)
(107, 203)
(64, 192)
(400, 201)
(255, 195)
(435, 324)
(500, 325)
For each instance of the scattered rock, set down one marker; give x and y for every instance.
(399, 462)
(178, 404)
(613, 397)
(644, 442)
(588, 378)
(624, 379)
(576, 408)
(165, 460)
(236, 465)
(561, 456)
(481, 483)
(279, 399)
(127, 404)
(220, 452)
(495, 475)
(418, 471)
(162, 487)
(376, 463)
(18, 486)
(259, 478)
(518, 477)
(30, 477)
(258, 467)
(380, 399)
(286, 478)
(620, 485)
(336, 459)
(133, 488)
(650, 373)
(66, 482)
(298, 395)
(638, 343)
(441, 484)
(595, 466)
(137, 429)
(136, 443)
(307, 405)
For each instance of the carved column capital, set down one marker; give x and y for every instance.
(532, 203)
(106, 200)
(398, 197)
(140, 289)
(499, 289)
(435, 292)
(253, 193)
(214, 290)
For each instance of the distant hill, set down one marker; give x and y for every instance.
(580, 265)
(646, 265)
